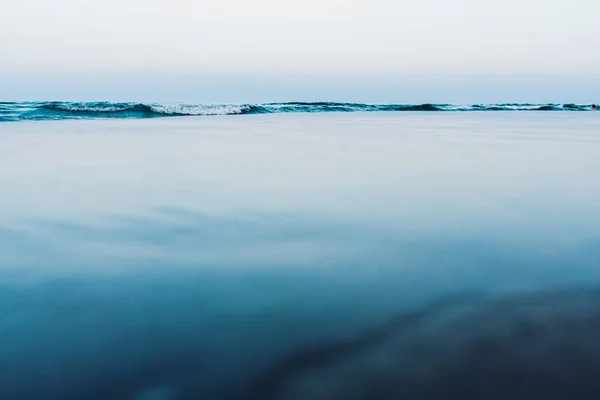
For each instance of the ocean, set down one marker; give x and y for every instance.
(283, 252)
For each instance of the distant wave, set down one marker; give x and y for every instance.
(23, 111)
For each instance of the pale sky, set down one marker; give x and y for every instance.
(220, 50)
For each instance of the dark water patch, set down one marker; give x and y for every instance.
(269, 384)
(539, 345)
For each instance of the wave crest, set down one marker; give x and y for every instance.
(18, 111)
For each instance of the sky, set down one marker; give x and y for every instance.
(275, 50)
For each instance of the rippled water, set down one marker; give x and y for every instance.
(301, 256)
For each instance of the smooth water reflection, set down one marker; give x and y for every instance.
(281, 256)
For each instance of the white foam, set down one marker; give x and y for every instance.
(183, 109)
(92, 108)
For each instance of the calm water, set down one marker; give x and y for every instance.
(377, 256)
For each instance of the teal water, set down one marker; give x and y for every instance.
(264, 256)
(61, 110)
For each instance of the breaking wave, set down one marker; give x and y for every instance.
(23, 111)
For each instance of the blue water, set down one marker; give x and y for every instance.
(57, 110)
(301, 256)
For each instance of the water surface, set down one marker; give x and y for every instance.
(275, 256)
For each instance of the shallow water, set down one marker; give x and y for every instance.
(184, 258)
